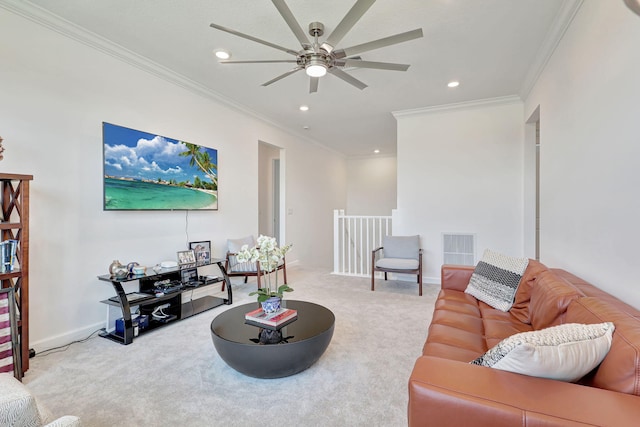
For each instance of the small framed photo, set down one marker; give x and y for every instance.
(186, 258)
(202, 251)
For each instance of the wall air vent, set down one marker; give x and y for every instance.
(458, 248)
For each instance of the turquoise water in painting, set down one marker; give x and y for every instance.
(137, 195)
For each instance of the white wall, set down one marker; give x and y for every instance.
(371, 185)
(55, 94)
(460, 170)
(589, 99)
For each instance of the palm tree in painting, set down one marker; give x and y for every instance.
(202, 160)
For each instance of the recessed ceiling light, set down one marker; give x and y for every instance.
(305, 127)
(222, 54)
(453, 84)
(304, 108)
(376, 151)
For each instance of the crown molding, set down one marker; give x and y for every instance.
(68, 29)
(480, 103)
(551, 41)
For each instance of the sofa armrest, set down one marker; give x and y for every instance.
(17, 405)
(446, 392)
(455, 277)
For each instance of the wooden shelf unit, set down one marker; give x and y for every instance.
(14, 194)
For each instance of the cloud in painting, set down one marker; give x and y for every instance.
(149, 157)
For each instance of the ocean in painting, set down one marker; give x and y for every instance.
(141, 195)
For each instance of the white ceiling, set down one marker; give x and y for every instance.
(493, 47)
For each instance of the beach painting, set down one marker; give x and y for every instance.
(144, 171)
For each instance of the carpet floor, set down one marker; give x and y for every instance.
(173, 376)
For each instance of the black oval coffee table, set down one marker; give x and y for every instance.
(303, 341)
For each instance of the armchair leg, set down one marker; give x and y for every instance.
(373, 278)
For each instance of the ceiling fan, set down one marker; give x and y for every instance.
(318, 58)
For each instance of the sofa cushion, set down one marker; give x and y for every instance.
(550, 297)
(496, 279)
(398, 263)
(564, 352)
(520, 308)
(620, 370)
(456, 331)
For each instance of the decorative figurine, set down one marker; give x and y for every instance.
(118, 270)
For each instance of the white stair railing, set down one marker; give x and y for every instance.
(354, 237)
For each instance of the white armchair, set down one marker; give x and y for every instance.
(398, 254)
(246, 269)
(19, 408)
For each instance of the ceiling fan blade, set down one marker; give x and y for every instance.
(372, 64)
(313, 85)
(376, 44)
(260, 61)
(282, 76)
(292, 23)
(347, 78)
(346, 24)
(253, 39)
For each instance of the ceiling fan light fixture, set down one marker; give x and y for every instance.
(316, 70)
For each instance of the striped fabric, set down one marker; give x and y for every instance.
(496, 278)
(241, 267)
(6, 345)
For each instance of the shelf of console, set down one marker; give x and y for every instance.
(181, 302)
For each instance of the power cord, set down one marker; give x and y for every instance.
(65, 347)
(158, 313)
(186, 226)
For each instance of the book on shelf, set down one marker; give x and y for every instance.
(272, 319)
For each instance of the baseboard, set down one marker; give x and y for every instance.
(66, 338)
(397, 276)
(412, 278)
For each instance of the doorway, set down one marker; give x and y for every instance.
(532, 175)
(271, 191)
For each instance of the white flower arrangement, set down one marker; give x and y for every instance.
(269, 256)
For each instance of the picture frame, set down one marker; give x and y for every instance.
(202, 251)
(186, 259)
(146, 172)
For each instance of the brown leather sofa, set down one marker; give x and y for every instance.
(445, 390)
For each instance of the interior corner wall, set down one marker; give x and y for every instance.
(371, 185)
(460, 170)
(588, 96)
(55, 94)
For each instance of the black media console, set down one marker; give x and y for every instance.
(162, 297)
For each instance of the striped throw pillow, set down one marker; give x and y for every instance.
(496, 278)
